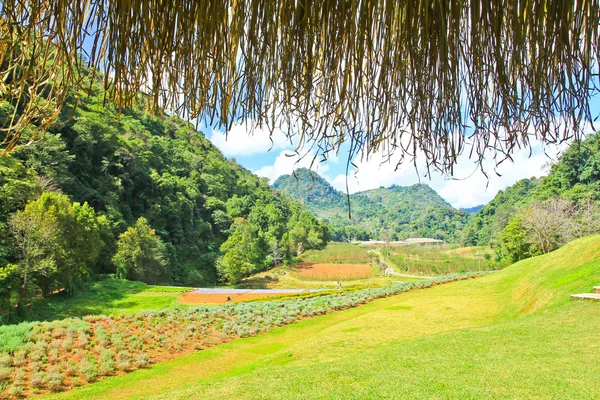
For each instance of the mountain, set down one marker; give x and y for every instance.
(393, 213)
(574, 177)
(473, 210)
(309, 188)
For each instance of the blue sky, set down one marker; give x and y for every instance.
(467, 188)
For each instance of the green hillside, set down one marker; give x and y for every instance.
(494, 216)
(575, 177)
(393, 213)
(311, 189)
(147, 197)
(512, 334)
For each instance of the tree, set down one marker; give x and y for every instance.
(549, 224)
(141, 255)
(545, 226)
(512, 242)
(243, 253)
(59, 241)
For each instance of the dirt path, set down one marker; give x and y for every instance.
(390, 270)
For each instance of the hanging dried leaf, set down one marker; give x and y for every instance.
(398, 76)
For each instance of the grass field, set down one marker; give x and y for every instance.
(107, 297)
(512, 334)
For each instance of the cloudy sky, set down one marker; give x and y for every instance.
(275, 156)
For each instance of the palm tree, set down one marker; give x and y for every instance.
(401, 76)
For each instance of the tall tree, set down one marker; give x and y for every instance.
(141, 255)
(59, 241)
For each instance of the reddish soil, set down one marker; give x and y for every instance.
(211, 298)
(333, 271)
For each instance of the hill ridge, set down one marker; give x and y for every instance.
(392, 213)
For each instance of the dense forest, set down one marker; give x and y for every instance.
(535, 216)
(140, 196)
(393, 213)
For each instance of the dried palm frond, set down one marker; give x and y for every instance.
(414, 76)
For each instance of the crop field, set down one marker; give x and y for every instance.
(428, 260)
(333, 272)
(435, 260)
(511, 334)
(220, 296)
(43, 357)
(337, 253)
(286, 278)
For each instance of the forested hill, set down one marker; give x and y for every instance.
(494, 216)
(311, 189)
(386, 213)
(158, 202)
(473, 210)
(569, 195)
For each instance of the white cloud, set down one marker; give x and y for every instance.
(247, 139)
(468, 188)
(288, 161)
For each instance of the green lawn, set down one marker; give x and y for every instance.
(512, 334)
(109, 296)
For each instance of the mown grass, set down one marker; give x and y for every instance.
(512, 334)
(106, 297)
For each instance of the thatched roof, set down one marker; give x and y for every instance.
(393, 74)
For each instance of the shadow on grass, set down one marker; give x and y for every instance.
(100, 297)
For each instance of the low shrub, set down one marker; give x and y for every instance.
(54, 381)
(142, 360)
(107, 362)
(16, 390)
(5, 372)
(88, 369)
(37, 379)
(123, 360)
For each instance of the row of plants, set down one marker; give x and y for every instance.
(42, 357)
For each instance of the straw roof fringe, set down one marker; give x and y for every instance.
(404, 76)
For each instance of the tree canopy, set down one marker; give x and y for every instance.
(435, 78)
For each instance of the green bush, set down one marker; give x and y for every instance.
(5, 372)
(88, 369)
(54, 381)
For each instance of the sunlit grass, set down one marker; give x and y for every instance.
(512, 334)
